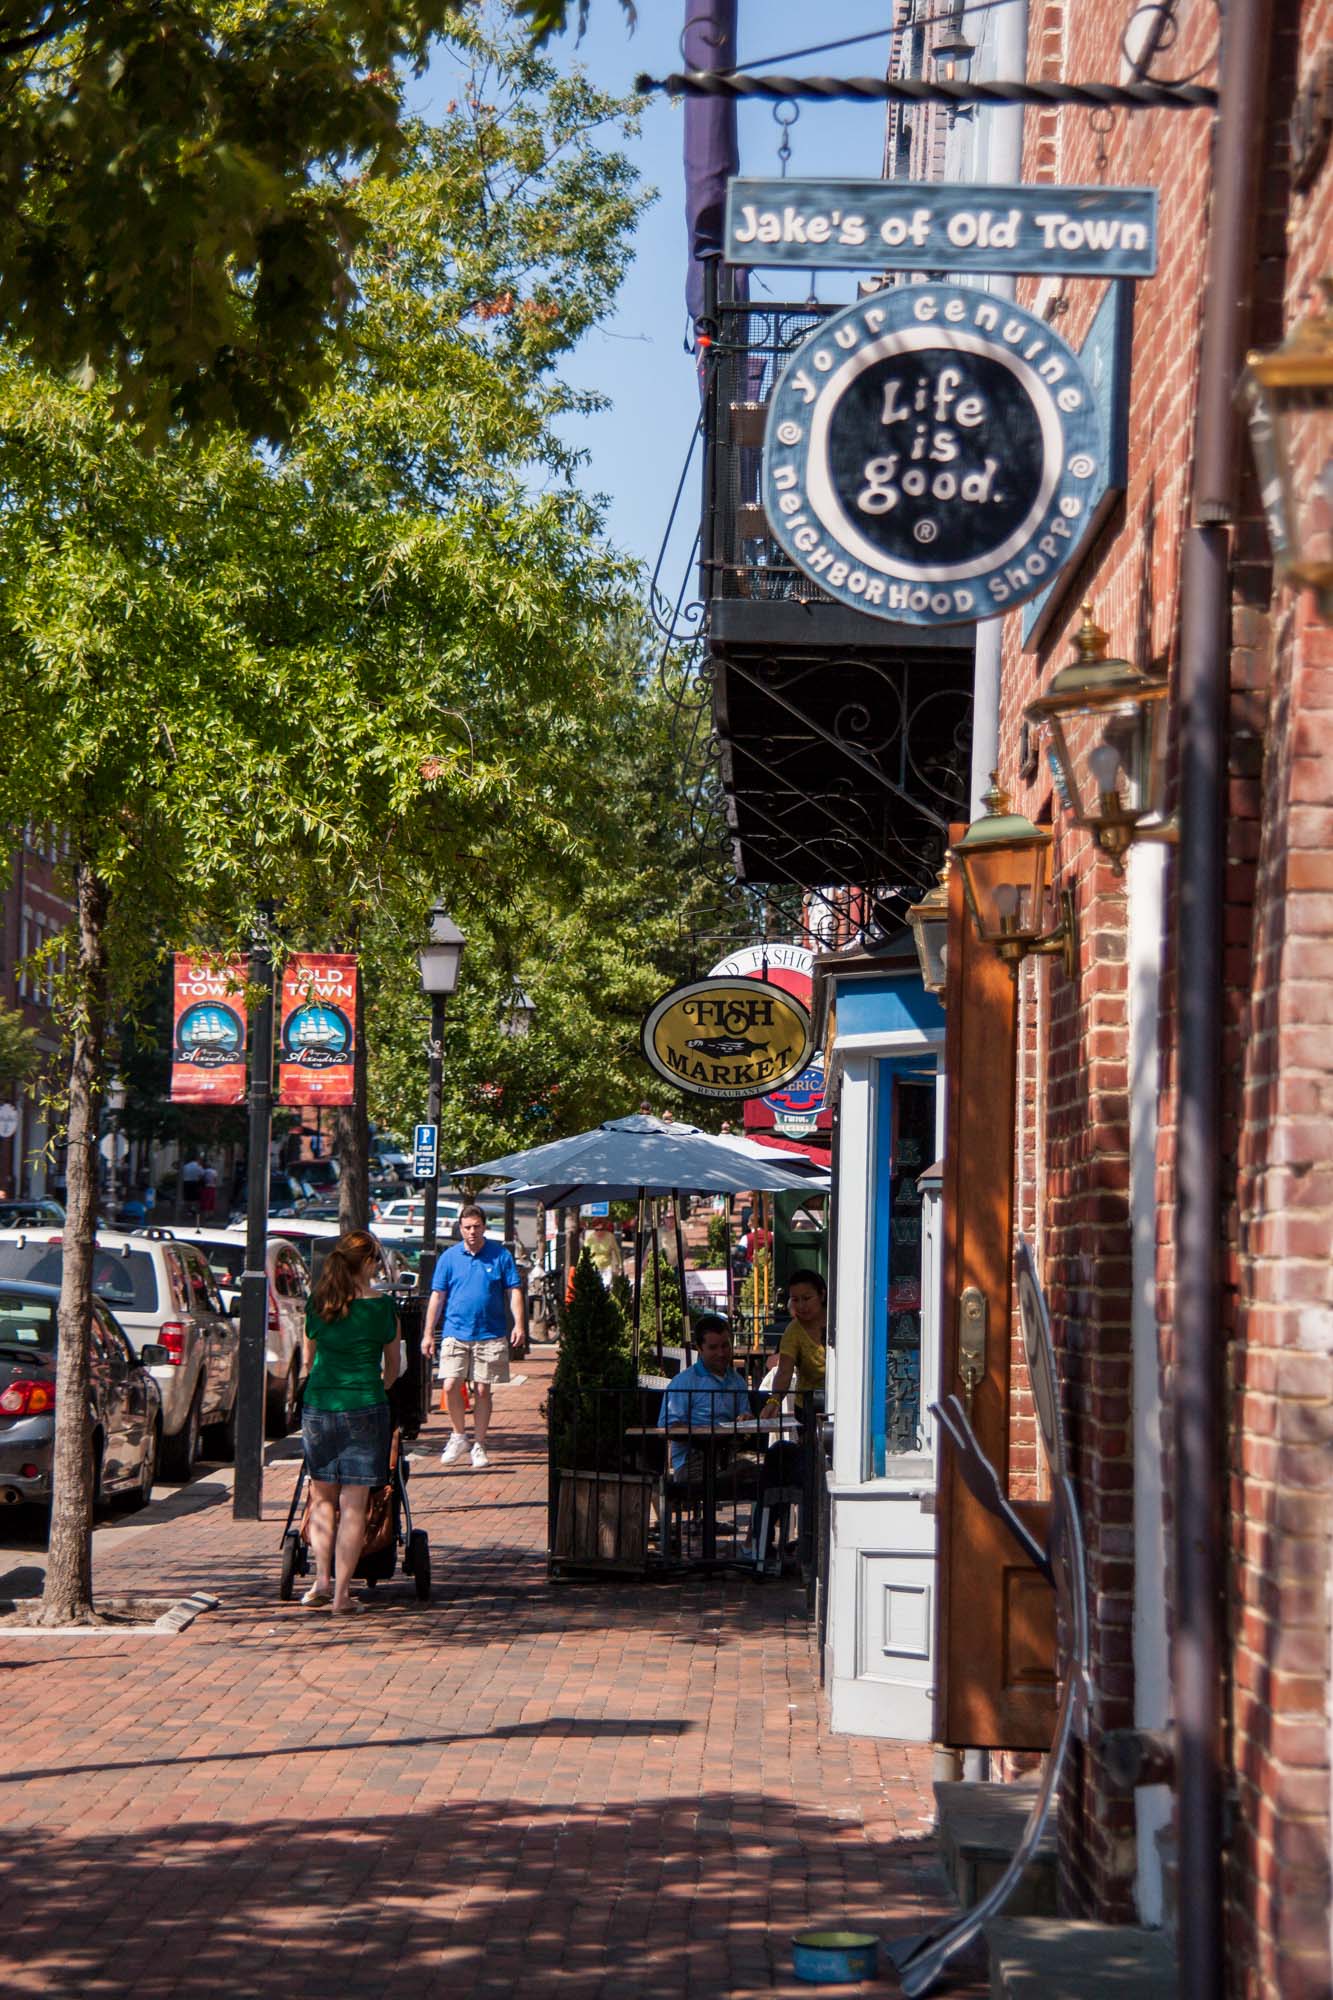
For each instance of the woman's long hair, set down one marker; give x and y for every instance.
(335, 1287)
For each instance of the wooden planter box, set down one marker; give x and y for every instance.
(603, 1519)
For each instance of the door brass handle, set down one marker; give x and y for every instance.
(971, 1342)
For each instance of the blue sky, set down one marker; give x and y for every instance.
(636, 448)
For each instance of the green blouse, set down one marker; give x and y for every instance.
(347, 1370)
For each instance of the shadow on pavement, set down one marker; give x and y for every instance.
(655, 1899)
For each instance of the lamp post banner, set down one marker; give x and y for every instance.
(856, 225)
(930, 455)
(317, 1035)
(208, 1042)
(728, 1038)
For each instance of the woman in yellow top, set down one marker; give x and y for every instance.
(802, 1352)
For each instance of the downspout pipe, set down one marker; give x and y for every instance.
(1204, 652)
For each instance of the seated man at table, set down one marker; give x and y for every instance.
(710, 1393)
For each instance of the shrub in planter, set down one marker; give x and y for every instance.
(602, 1515)
(719, 1241)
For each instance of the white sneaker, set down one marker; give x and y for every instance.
(479, 1458)
(454, 1450)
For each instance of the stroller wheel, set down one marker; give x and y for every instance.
(416, 1562)
(291, 1556)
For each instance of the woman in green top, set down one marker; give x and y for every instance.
(352, 1355)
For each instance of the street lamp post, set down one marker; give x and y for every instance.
(439, 961)
(115, 1104)
(516, 1022)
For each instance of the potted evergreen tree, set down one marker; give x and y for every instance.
(602, 1502)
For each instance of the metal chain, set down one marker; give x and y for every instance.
(1101, 121)
(785, 124)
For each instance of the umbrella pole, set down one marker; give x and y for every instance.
(680, 1262)
(657, 1278)
(638, 1273)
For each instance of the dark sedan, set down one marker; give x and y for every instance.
(124, 1402)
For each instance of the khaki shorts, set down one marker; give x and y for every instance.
(474, 1360)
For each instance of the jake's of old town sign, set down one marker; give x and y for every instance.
(931, 454)
(728, 1038)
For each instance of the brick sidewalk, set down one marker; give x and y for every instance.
(583, 1790)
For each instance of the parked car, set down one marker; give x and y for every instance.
(24, 1211)
(164, 1295)
(124, 1401)
(288, 1287)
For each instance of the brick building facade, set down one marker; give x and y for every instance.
(1099, 1062)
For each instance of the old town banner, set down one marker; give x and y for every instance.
(208, 1031)
(317, 1029)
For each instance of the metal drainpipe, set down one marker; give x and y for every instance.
(1204, 642)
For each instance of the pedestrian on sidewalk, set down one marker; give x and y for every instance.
(475, 1288)
(353, 1356)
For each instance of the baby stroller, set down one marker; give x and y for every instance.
(388, 1529)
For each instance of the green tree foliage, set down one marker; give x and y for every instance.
(660, 1280)
(18, 1048)
(333, 677)
(594, 1358)
(179, 190)
(719, 1240)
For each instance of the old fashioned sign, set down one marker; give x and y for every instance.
(317, 1038)
(730, 1038)
(208, 1032)
(855, 225)
(930, 454)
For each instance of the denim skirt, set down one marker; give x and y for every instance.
(347, 1447)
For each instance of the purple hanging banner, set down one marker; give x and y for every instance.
(711, 153)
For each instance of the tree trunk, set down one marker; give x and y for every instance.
(68, 1596)
(353, 1130)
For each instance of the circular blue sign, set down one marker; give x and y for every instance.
(316, 1036)
(931, 455)
(802, 1096)
(209, 1035)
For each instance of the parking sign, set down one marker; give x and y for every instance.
(425, 1152)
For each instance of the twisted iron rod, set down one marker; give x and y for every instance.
(922, 90)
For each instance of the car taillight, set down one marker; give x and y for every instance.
(171, 1335)
(28, 1399)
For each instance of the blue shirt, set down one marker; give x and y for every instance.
(701, 1399)
(475, 1288)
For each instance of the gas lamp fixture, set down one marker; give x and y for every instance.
(1287, 395)
(930, 929)
(1005, 862)
(1118, 792)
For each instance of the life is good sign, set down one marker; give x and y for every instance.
(930, 454)
(851, 225)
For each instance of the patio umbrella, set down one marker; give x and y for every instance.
(642, 1155)
(631, 1159)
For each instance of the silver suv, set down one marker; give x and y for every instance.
(163, 1294)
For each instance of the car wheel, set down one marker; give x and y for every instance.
(291, 1557)
(180, 1451)
(417, 1562)
(140, 1495)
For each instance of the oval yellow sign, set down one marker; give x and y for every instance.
(728, 1037)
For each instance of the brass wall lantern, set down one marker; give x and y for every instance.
(930, 928)
(1287, 395)
(1119, 792)
(1006, 861)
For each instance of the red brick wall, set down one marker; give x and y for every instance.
(1280, 1460)
(1277, 1056)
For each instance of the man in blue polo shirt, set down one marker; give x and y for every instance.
(476, 1285)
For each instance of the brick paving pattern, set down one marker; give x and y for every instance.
(591, 1789)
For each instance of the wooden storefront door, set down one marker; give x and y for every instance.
(996, 1643)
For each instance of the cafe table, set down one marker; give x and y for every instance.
(707, 1441)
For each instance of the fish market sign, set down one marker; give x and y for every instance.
(1086, 232)
(930, 455)
(729, 1038)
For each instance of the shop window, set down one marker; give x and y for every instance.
(902, 1320)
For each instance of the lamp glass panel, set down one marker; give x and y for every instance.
(439, 967)
(932, 937)
(1008, 885)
